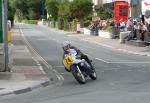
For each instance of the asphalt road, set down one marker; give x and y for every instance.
(122, 77)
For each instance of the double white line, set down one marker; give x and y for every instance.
(59, 76)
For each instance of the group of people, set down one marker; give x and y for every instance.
(98, 25)
(136, 27)
(101, 24)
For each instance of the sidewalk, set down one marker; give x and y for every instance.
(26, 72)
(109, 43)
(115, 44)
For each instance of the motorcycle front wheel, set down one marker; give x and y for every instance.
(78, 75)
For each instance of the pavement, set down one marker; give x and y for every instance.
(26, 73)
(116, 45)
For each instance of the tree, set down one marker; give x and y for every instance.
(22, 6)
(64, 14)
(11, 11)
(32, 14)
(52, 8)
(29, 9)
(104, 13)
(34, 8)
(81, 8)
(64, 10)
(19, 16)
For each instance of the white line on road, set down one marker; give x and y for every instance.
(104, 45)
(59, 76)
(123, 62)
(102, 60)
(42, 70)
(130, 62)
(59, 66)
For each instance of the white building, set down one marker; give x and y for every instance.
(145, 5)
(98, 3)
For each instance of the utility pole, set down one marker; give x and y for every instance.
(1, 29)
(3, 36)
(5, 33)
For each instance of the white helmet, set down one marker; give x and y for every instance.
(66, 44)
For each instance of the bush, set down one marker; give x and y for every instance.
(87, 23)
(60, 23)
(30, 21)
(32, 14)
(108, 29)
(19, 16)
(66, 26)
(52, 24)
(74, 25)
(57, 24)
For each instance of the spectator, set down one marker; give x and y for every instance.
(142, 29)
(122, 24)
(100, 24)
(148, 27)
(104, 23)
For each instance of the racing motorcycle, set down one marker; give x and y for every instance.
(78, 67)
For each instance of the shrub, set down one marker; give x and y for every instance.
(108, 29)
(87, 23)
(52, 24)
(57, 24)
(74, 24)
(30, 21)
(66, 26)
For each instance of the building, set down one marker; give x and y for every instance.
(98, 3)
(135, 8)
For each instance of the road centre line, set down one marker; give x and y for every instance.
(128, 62)
(104, 45)
(102, 60)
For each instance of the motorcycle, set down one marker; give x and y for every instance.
(79, 67)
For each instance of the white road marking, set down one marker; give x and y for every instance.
(102, 60)
(59, 76)
(123, 62)
(42, 70)
(104, 45)
(59, 66)
(130, 62)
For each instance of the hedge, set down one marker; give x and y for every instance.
(30, 21)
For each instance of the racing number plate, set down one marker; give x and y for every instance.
(68, 60)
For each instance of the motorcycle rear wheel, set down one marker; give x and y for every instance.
(93, 76)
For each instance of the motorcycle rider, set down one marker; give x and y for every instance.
(67, 45)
